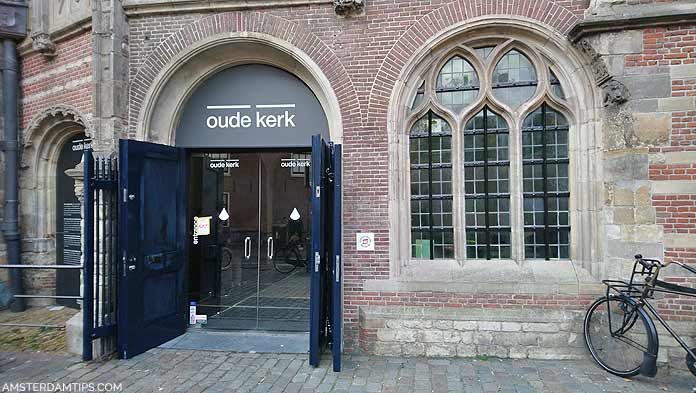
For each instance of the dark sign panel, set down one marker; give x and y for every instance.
(251, 105)
(72, 246)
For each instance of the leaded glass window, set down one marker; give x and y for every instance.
(477, 207)
(457, 84)
(545, 184)
(514, 79)
(487, 186)
(432, 229)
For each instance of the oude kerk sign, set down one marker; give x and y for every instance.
(251, 106)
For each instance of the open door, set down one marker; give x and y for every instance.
(319, 261)
(152, 230)
(337, 281)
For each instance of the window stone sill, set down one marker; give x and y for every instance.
(502, 277)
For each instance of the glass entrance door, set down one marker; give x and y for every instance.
(248, 264)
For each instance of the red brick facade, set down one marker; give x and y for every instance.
(363, 57)
(61, 80)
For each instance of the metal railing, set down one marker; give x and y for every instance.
(100, 254)
(99, 268)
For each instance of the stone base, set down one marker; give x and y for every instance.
(73, 334)
(73, 338)
(506, 333)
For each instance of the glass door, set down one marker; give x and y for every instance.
(250, 269)
(284, 277)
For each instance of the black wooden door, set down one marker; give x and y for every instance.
(152, 229)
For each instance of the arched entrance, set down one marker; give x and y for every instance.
(229, 204)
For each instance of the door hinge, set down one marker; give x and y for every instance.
(317, 192)
(317, 261)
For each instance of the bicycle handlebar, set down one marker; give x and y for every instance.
(649, 263)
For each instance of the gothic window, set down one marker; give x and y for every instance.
(432, 230)
(489, 174)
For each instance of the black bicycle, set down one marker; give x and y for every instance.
(619, 329)
(292, 256)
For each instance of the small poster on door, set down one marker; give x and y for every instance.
(203, 225)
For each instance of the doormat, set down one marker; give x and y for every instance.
(255, 342)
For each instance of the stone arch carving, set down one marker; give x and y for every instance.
(572, 69)
(43, 139)
(305, 55)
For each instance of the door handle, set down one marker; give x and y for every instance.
(247, 247)
(269, 244)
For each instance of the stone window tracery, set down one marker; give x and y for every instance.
(489, 163)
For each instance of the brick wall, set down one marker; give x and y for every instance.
(674, 49)
(65, 79)
(369, 50)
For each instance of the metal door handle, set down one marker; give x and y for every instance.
(269, 244)
(247, 247)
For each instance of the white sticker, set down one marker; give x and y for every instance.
(365, 241)
(295, 215)
(224, 215)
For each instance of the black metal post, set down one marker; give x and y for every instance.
(11, 232)
(88, 258)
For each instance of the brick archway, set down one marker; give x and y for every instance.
(160, 60)
(428, 27)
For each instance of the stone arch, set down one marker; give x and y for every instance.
(272, 40)
(43, 139)
(583, 96)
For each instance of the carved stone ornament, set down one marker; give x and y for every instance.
(599, 69)
(42, 43)
(349, 7)
(614, 93)
(56, 114)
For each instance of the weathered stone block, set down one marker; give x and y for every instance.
(489, 326)
(466, 337)
(648, 86)
(418, 324)
(386, 335)
(413, 349)
(465, 325)
(405, 335)
(624, 216)
(652, 129)
(430, 336)
(622, 197)
(451, 336)
(443, 325)
(511, 327)
(492, 350)
(466, 350)
(540, 327)
(440, 350)
(483, 338)
(518, 352)
(645, 215)
(387, 349)
(673, 104)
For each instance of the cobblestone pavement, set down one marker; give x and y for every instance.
(163, 370)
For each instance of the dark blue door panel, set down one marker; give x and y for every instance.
(337, 281)
(317, 317)
(152, 229)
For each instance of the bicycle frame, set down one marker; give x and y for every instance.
(630, 291)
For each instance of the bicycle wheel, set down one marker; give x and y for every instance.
(226, 258)
(288, 264)
(619, 349)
